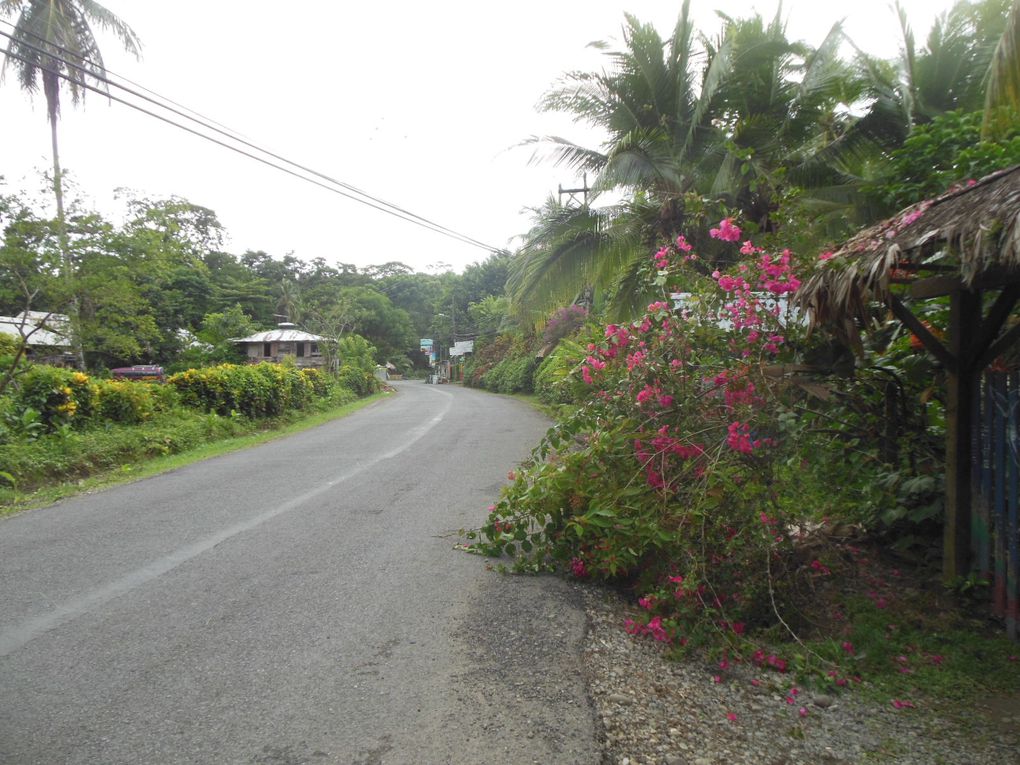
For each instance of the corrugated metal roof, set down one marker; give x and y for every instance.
(282, 336)
(16, 326)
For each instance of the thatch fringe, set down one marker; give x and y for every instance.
(970, 232)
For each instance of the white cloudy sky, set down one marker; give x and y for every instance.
(418, 103)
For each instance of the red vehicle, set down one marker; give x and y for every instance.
(143, 372)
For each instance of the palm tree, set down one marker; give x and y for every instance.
(729, 121)
(949, 72)
(53, 43)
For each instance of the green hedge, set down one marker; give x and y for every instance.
(511, 375)
(358, 380)
(65, 397)
(262, 390)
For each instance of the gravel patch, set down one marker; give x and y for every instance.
(653, 711)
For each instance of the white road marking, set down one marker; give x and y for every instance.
(13, 638)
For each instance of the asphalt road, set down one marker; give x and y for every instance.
(299, 602)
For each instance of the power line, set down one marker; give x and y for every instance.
(391, 210)
(98, 64)
(375, 202)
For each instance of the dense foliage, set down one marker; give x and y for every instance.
(697, 462)
(160, 289)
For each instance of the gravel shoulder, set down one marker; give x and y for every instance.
(653, 711)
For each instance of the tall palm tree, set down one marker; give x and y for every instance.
(53, 43)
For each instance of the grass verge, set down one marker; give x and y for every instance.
(87, 462)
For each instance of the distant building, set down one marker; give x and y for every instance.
(46, 335)
(286, 341)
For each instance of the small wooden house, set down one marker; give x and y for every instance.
(286, 341)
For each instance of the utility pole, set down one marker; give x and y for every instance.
(572, 195)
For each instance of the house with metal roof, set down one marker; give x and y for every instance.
(46, 335)
(286, 341)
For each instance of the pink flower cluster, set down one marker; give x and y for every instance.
(578, 568)
(771, 660)
(777, 275)
(653, 628)
(739, 438)
(664, 446)
(727, 232)
(661, 259)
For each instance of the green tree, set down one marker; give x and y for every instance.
(946, 151)
(29, 280)
(374, 317)
(53, 43)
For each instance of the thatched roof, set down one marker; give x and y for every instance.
(968, 236)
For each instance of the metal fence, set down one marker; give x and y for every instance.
(996, 480)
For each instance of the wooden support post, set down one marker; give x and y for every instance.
(965, 317)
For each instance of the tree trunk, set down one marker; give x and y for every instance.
(74, 320)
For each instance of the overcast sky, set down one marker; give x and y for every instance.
(418, 103)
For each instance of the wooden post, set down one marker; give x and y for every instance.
(964, 320)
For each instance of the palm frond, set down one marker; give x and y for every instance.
(559, 256)
(564, 152)
(1002, 83)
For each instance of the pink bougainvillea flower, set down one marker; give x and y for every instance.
(682, 244)
(802, 712)
(820, 567)
(578, 568)
(726, 232)
(646, 394)
(848, 647)
(731, 716)
(661, 258)
(902, 704)
(755, 682)
(655, 628)
(716, 679)
(826, 256)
